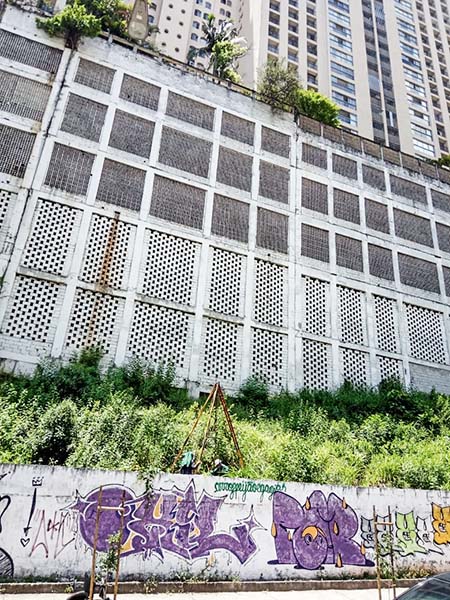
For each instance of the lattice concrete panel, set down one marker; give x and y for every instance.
(443, 233)
(346, 206)
(349, 253)
(314, 196)
(121, 185)
(446, 272)
(28, 52)
(222, 351)
(386, 324)
(177, 202)
(269, 356)
(274, 182)
(238, 129)
(94, 321)
(132, 134)
(23, 97)
(272, 230)
(270, 304)
(374, 177)
(413, 228)
(235, 169)
(315, 243)
(314, 156)
(377, 216)
(15, 150)
(226, 293)
(185, 152)
(230, 218)
(352, 315)
(426, 334)
(170, 332)
(381, 262)
(389, 368)
(355, 366)
(33, 309)
(345, 166)
(7, 201)
(275, 142)
(441, 200)
(69, 169)
(190, 111)
(408, 189)
(52, 239)
(84, 117)
(140, 92)
(316, 306)
(108, 252)
(94, 76)
(317, 364)
(418, 273)
(170, 269)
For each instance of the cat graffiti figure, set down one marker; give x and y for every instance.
(174, 521)
(317, 533)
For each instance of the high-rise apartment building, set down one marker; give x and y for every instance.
(386, 63)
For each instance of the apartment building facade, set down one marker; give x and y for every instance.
(386, 63)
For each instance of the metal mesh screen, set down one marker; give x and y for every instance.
(272, 230)
(413, 228)
(314, 196)
(230, 218)
(380, 262)
(408, 189)
(132, 134)
(345, 166)
(177, 202)
(315, 243)
(121, 185)
(443, 233)
(69, 169)
(238, 129)
(185, 152)
(374, 177)
(275, 142)
(23, 97)
(29, 52)
(235, 169)
(15, 150)
(418, 273)
(314, 156)
(274, 182)
(349, 253)
(446, 272)
(140, 92)
(440, 200)
(94, 76)
(84, 117)
(190, 111)
(377, 216)
(346, 206)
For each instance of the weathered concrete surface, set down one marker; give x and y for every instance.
(358, 594)
(207, 528)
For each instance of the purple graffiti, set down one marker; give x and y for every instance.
(175, 521)
(317, 533)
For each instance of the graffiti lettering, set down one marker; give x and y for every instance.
(5, 501)
(245, 487)
(6, 564)
(174, 521)
(441, 523)
(54, 535)
(319, 532)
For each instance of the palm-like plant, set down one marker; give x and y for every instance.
(222, 45)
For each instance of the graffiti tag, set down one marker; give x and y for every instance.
(246, 487)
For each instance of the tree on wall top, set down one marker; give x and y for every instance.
(279, 86)
(223, 47)
(72, 23)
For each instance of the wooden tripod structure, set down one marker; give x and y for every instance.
(215, 399)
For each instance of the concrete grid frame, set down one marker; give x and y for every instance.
(160, 215)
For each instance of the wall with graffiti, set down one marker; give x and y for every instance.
(211, 527)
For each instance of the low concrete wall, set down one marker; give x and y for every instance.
(207, 527)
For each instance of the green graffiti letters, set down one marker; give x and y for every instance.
(248, 487)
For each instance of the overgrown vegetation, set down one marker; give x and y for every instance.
(133, 417)
(72, 23)
(278, 85)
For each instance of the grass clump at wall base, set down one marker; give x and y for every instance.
(134, 417)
